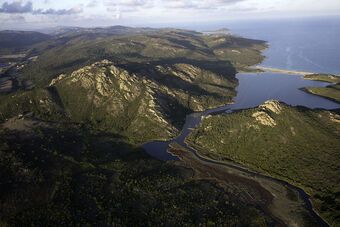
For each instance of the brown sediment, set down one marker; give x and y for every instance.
(272, 197)
(247, 190)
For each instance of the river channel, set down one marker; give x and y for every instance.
(253, 90)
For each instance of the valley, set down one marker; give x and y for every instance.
(82, 109)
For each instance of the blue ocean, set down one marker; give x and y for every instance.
(299, 44)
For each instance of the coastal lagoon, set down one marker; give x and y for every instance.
(256, 88)
(290, 48)
(293, 45)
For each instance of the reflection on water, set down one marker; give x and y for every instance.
(254, 89)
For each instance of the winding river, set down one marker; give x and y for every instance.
(253, 90)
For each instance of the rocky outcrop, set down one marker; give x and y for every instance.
(334, 117)
(157, 97)
(263, 118)
(272, 105)
(54, 81)
(264, 111)
(127, 101)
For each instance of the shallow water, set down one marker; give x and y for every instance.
(305, 45)
(255, 88)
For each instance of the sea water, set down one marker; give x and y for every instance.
(299, 44)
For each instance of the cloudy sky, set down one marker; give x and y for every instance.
(34, 14)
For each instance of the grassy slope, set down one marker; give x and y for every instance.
(327, 92)
(178, 46)
(174, 72)
(62, 175)
(302, 148)
(78, 164)
(323, 77)
(330, 92)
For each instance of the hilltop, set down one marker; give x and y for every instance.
(139, 83)
(75, 108)
(295, 144)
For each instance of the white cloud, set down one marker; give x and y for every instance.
(93, 3)
(19, 7)
(179, 4)
(134, 2)
(146, 12)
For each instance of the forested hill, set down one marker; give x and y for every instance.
(76, 105)
(136, 82)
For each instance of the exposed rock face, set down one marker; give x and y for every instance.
(98, 76)
(334, 117)
(272, 105)
(156, 98)
(263, 118)
(263, 115)
(118, 97)
(54, 81)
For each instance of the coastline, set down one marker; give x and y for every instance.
(301, 189)
(284, 71)
(305, 89)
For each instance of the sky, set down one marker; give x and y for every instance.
(35, 14)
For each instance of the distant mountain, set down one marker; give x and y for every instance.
(19, 40)
(137, 82)
(14, 42)
(70, 141)
(59, 30)
(111, 30)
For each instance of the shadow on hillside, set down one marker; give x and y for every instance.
(148, 69)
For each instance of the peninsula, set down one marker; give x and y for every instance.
(283, 71)
(70, 141)
(78, 106)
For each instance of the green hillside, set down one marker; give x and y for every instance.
(72, 51)
(55, 174)
(295, 144)
(69, 142)
(139, 83)
(331, 92)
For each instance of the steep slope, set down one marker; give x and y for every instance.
(151, 104)
(69, 144)
(138, 105)
(76, 50)
(296, 144)
(151, 80)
